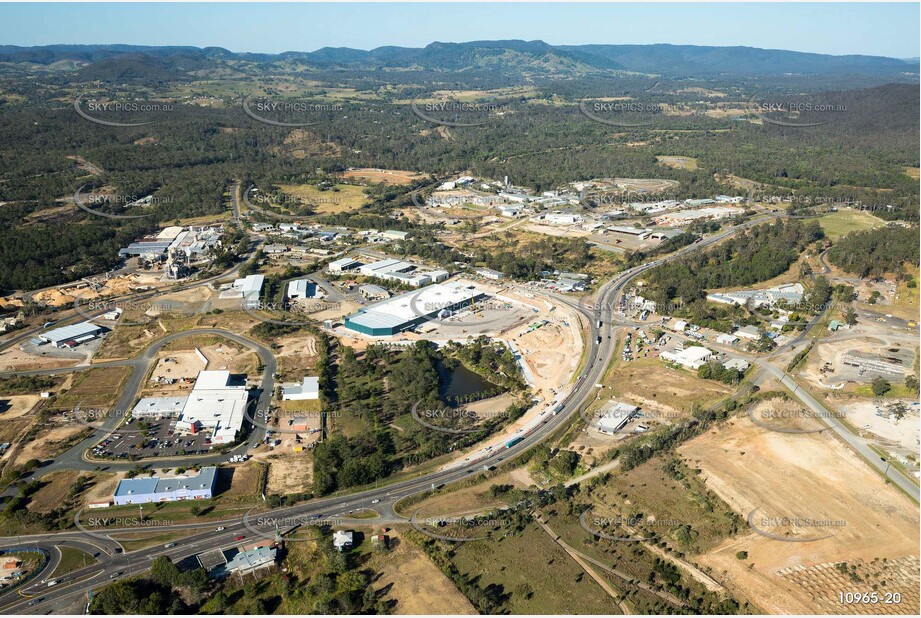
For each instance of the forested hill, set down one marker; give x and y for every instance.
(509, 57)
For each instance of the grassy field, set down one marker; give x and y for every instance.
(906, 301)
(342, 198)
(843, 222)
(95, 388)
(680, 163)
(71, 560)
(649, 382)
(533, 574)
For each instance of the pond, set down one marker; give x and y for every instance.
(458, 381)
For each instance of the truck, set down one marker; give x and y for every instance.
(513, 442)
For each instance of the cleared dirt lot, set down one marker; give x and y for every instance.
(416, 584)
(390, 177)
(799, 476)
(653, 386)
(288, 473)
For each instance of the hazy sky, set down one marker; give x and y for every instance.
(834, 28)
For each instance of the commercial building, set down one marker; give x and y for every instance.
(159, 407)
(154, 489)
(301, 289)
(395, 234)
(343, 265)
(791, 293)
(488, 273)
(408, 310)
(71, 336)
(614, 416)
(249, 288)
(214, 405)
(685, 217)
(373, 292)
(748, 332)
(692, 357)
(299, 391)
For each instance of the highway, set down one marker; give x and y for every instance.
(116, 564)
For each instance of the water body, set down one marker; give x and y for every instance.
(458, 381)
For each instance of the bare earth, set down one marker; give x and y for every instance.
(801, 476)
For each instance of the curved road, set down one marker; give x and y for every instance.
(383, 498)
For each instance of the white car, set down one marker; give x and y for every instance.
(375, 501)
(220, 529)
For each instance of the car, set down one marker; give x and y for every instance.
(219, 529)
(239, 538)
(375, 501)
(169, 546)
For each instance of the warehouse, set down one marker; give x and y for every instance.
(692, 357)
(299, 391)
(216, 405)
(343, 265)
(71, 336)
(615, 416)
(407, 310)
(154, 489)
(301, 289)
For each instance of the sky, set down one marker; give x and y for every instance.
(882, 29)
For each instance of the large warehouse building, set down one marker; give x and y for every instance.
(154, 489)
(70, 336)
(408, 310)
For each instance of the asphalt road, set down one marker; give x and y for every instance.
(382, 499)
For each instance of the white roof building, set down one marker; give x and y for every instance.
(343, 264)
(249, 288)
(692, 357)
(215, 405)
(342, 539)
(615, 416)
(727, 339)
(748, 332)
(67, 336)
(301, 288)
(308, 389)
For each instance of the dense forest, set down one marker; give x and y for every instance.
(190, 154)
(761, 253)
(873, 253)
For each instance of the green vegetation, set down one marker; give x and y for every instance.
(877, 252)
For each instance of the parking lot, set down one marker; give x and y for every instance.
(144, 438)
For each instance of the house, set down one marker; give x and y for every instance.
(342, 539)
(748, 332)
(737, 363)
(679, 326)
(380, 539)
(251, 561)
(727, 339)
(308, 389)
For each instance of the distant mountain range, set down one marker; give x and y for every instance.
(113, 62)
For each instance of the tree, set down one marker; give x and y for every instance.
(850, 316)
(911, 383)
(880, 386)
